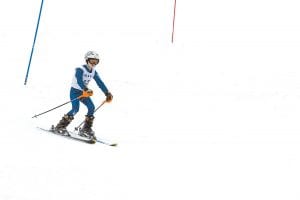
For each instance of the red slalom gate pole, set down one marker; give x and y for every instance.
(174, 14)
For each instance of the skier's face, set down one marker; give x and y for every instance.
(93, 62)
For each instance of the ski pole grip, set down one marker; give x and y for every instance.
(87, 93)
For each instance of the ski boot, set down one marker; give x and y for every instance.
(61, 127)
(86, 131)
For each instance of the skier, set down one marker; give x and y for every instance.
(83, 75)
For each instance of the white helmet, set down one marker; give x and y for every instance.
(92, 55)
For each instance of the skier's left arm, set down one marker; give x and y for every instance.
(103, 87)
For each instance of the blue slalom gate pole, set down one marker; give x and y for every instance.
(35, 35)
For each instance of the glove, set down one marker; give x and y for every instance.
(87, 93)
(109, 97)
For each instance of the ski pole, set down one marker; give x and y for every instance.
(77, 127)
(35, 116)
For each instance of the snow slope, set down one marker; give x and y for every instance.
(212, 116)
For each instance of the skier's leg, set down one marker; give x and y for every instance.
(88, 122)
(74, 93)
(61, 127)
(90, 106)
(87, 126)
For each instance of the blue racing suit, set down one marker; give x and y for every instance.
(80, 82)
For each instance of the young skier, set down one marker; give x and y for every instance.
(83, 75)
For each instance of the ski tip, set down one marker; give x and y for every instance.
(113, 145)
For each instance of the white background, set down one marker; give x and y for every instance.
(215, 115)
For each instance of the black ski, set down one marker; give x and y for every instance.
(106, 142)
(75, 136)
(80, 139)
(97, 140)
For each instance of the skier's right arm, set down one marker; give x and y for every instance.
(85, 91)
(79, 75)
